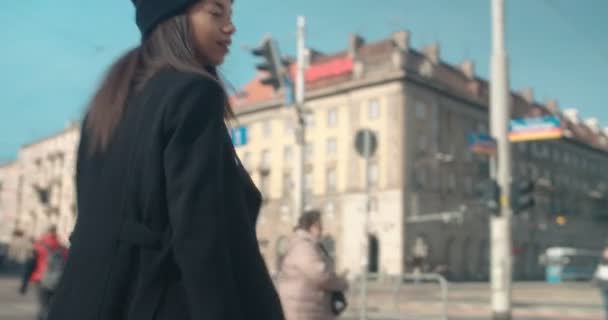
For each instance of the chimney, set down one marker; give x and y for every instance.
(593, 124)
(354, 43)
(572, 115)
(528, 94)
(553, 106)
(401, 47)
(432, 52)
(401, 39)
(312, 55)
(468, 69)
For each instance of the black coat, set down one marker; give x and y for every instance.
(166, 224)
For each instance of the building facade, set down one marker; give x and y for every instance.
(423, 176)
(40, 190)
(8, 200)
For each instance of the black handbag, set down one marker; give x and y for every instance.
(338, 302)
(338, 299)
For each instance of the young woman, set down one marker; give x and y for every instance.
(166, 225)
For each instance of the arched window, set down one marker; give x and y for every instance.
(373, 254)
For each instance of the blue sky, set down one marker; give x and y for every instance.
(54, 52)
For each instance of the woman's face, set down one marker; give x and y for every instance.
(316, 230)
(212, 29)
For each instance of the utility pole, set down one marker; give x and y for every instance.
(500, 225)
(300, 130)
(365, 262)
(366, 144)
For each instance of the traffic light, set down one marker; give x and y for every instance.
(523, 195)
(272, 63)
(489, 193)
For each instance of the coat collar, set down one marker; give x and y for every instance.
(304, 235)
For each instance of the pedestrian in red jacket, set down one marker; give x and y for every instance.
(45, 268)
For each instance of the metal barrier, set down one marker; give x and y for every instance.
(395, 287)
(443, 284)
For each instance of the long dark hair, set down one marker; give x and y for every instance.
(170, 45)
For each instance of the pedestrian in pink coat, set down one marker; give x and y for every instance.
(307, 277)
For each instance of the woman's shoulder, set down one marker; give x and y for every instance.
(180, 81)
(185, 94)
(301, 237)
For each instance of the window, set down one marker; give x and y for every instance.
(420, 177)
(556, 156)
(246, 160)
(266, 128)
(468, 185)
(545, 152)
(308, 152)
(420, 110)
(534, 172)
(61, 160)
(331, 146)
(330, 209)
(521, 169)
(422, 143)
(265, 185)
(331, 180)
(287, 184)
(521, 147)
(332, 117)
(266, 159)
(373, 204)
(452, 154)
(468, 156)
(308, 184)
(374, 109)
(287, 154)
(373, 174)
(451, 182)
(309, 120)
(284, 209)
(288, 126)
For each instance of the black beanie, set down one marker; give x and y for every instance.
(150, 13)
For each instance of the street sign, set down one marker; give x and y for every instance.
(239, 136)
(289, 94)
(482, 143)
(366, 143)
(540, 128)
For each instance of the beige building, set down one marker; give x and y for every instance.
(422, 110)
(8, 200)
(40, 189)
